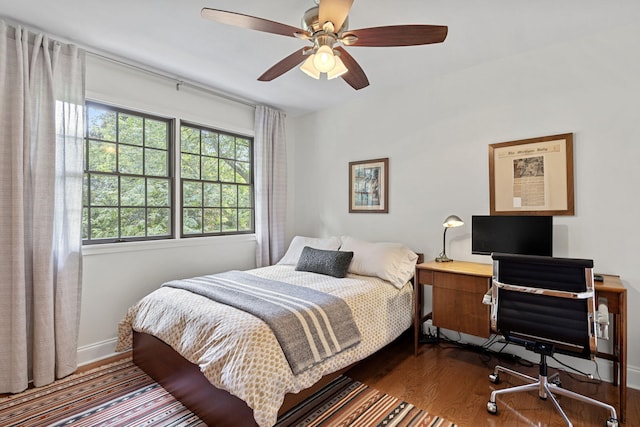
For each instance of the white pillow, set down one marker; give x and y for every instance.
(299, 242)
(392, 262)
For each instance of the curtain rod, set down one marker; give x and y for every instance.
(136, 66)
(178, 80)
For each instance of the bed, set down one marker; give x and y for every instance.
(227, 366)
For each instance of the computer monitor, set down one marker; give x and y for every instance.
(516, 234)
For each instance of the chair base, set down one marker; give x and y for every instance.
(545, 390)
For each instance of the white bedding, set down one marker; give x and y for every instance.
(238, 352)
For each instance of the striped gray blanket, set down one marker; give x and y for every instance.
(310, 325)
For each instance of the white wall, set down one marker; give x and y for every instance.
(436, 134)
(115, 276)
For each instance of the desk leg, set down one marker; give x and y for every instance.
(621, 324)
(417, 316)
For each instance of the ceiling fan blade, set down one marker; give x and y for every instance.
(285, 65)
(397, 35)
(335, 11)
(355, 77)
(250, 22)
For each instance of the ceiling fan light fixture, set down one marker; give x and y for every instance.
(338, 70)
(324, 59)
(309, 68)
(324, 27)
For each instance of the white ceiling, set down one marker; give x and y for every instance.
(170, 35)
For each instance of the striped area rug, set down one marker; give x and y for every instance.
(120, 394)
(346, 402)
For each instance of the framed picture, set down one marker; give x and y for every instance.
(369, 186)
(532, 176)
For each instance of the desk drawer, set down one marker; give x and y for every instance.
(461, 282)
(424, 277)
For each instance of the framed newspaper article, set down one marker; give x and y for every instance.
(532, 176)
(369, 186)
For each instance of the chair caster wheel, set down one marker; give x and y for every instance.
(492, 408)
(612, 422)
(494, 378)
(557, 382)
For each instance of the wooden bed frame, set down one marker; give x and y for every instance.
(185, 382)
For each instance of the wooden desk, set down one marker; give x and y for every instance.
(457, 291)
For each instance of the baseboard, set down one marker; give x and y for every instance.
(633, 377)
(96, 351)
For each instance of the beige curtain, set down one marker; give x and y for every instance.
(270, 185)
(41, 129)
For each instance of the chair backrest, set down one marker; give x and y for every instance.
(546, 301)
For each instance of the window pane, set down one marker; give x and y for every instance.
(212, 221)
(101, 123)
(130, 129)
(158, 192)
(245, 219)
(210, 168)
(209, 143)
(229, 220)
(155, 162)
(158, 221)
(190, 140)
(104, 190)
(85, 190)
(227, 146)
(191, 193)
(243, 150)
(102, 156)
(229, 196)
(156, 133)
(85, 223)
(132, 191)
(227, 172)
(132, 222)
(244, 196)
(192, 221)
(130, 160)
(190, 168)
(104, 223)
(243, 171)
(211, 195)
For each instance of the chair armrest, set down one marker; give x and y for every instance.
(540, 291)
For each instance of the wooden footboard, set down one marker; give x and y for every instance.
(187, 383)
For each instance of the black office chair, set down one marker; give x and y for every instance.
(547, 305)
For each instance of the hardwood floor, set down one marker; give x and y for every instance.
(452, 382)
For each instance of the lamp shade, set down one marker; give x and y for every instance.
(309, 69)
(324, 60)
(338, 70)
(453, 221)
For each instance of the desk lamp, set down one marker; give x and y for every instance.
(450, 222)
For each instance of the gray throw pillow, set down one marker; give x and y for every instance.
(331, 263)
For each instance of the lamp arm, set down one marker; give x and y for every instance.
(444, 241)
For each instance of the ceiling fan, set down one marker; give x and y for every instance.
(326, 27)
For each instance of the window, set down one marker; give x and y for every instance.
(127, 191)
(216, 182)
